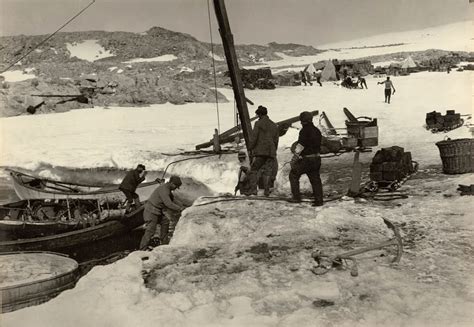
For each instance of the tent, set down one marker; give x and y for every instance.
(329, 72)
(408, 63)
(310, 69)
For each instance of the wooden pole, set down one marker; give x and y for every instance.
(234, 71)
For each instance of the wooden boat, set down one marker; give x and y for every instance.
(35, 218)
(61, 242)
(31, 187)
(42, 276)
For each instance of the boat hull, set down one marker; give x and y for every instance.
(60, 242)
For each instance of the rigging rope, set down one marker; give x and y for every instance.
(49, 37)
(214, 68)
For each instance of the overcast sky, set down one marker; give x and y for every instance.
(253, 21)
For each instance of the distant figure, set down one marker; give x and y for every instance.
(161, 208)
(263, 146)
(362, 82)
(388, 89)
(243, 182)
(307, 160)
(448, 70)
(303, 77)
(130, 183)
(344, 72)
(308, 78)
(318, 78)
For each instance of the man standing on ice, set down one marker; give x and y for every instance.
(263, 146)
(130, 183)
(388, 89)
(161, 208)
(309, 160)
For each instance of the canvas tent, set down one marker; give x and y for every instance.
(310, 69)
(329, 72)
(408, 63)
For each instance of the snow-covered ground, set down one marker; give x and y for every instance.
(215, 56)
(127, 136)
(89, 50)
(166, 57)
(17, 76)
(249, 263)
(455, 37)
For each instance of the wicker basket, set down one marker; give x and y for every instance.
(457, 155)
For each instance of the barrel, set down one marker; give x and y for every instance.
(31, 278)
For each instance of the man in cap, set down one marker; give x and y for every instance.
(160, 209)
(130, 183)
(263, 147)
(309, 160)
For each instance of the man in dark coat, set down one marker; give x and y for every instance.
(263, 147)
(130, 183)
(161, 208)
(308, 160)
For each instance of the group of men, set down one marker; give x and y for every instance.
(162, 208)
(307, 78)
(263, 147)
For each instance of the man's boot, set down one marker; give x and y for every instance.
(266, 185)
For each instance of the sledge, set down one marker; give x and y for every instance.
(438, 123)
(390, 186)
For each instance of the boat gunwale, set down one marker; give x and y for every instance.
(17, 182)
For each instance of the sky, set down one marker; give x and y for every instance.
(309, 22)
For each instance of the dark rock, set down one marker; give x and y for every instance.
(322, 303)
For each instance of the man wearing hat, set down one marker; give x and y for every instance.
(158, 210)
(263, 147)
(308, 161)
(130, 183)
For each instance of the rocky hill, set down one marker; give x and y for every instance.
(156, 66)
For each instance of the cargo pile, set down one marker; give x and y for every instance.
(436, 122)
(391, 164)
(257, 78)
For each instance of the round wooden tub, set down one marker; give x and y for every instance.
(31, 278)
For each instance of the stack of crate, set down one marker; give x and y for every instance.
(391, 164)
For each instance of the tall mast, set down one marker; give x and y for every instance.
(234, 71)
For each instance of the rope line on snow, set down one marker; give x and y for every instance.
(49, 37)
(214, 68)
(186, 159)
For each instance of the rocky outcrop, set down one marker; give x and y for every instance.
(59, 95)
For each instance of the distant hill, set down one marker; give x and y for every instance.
(155, 42)
(156, 66)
